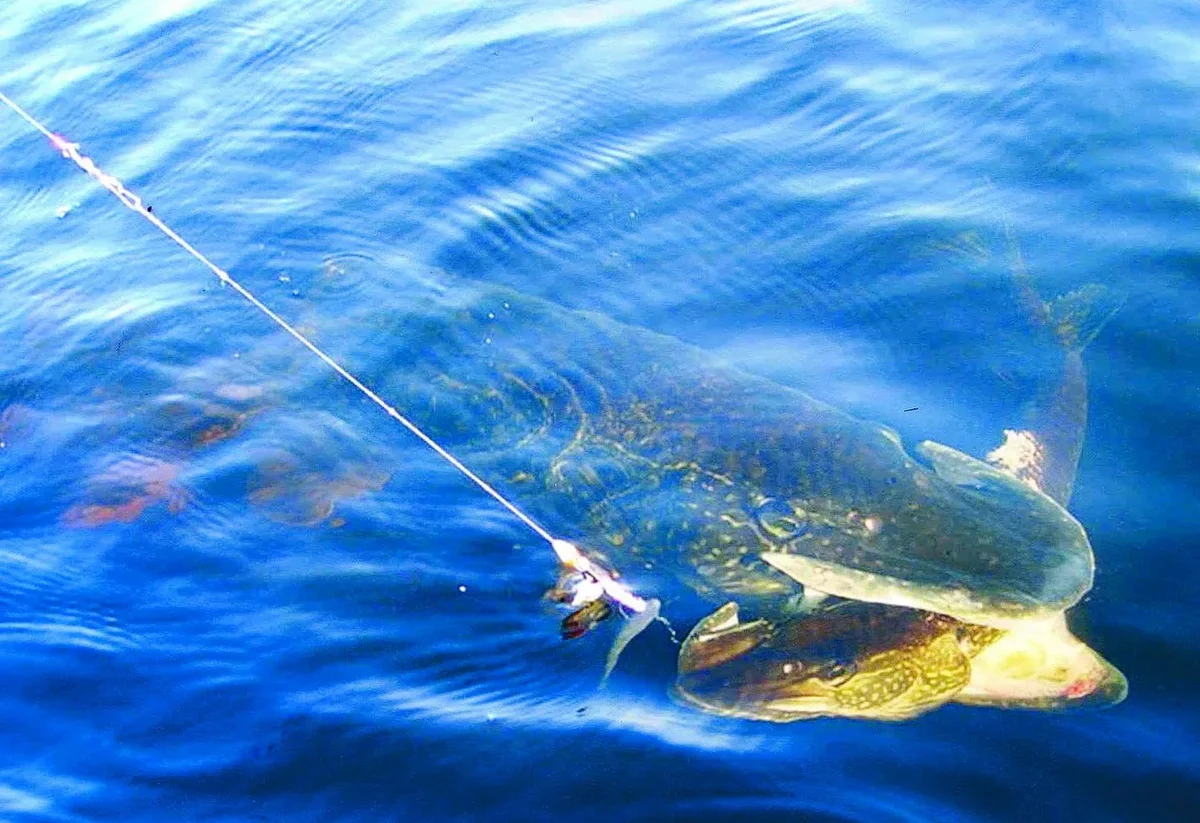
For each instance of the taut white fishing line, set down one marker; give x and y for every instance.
(567, 553)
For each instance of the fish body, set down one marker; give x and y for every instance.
(672, 466)
(949, 576)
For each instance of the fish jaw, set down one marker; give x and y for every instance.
(1042, 666)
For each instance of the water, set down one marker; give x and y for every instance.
(232, 590)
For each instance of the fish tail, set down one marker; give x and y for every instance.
(1079, 316)
(1044, 450)
(1075, 318)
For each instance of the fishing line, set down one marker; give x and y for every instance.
(567, 553)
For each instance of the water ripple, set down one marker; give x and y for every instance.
(229, 588)
(780, 20)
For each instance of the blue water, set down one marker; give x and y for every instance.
(232, 590)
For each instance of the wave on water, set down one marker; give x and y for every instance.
(230, 589)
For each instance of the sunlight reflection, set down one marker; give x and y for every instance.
(666, 723)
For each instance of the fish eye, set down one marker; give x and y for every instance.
(792, 668)
(836, 674)
(778, 519)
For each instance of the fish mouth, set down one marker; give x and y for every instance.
(1043, 667)
(1110, 691)
(1097, 691)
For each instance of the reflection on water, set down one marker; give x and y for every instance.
(127, 489)
(288, 492)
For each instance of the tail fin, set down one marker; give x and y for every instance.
(1075, 318)
(1079, 316)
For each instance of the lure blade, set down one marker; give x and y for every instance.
(583, 620)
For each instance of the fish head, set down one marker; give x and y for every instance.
(957, 537)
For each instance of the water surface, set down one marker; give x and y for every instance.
(230, 589)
